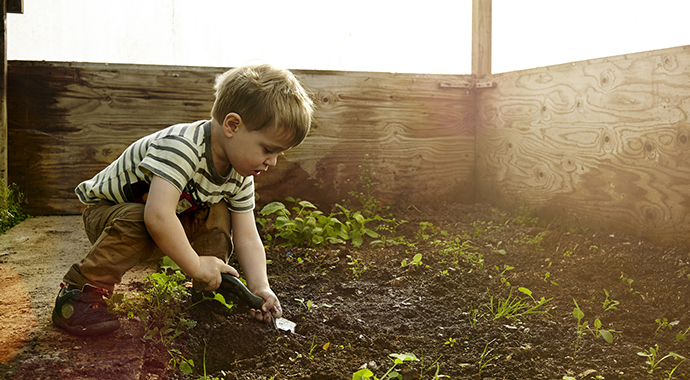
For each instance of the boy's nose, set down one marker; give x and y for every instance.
(272, 161)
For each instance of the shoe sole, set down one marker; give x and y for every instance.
(95, 329)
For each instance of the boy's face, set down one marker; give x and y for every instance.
(253, 152)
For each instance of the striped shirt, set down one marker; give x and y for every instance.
(180, 154)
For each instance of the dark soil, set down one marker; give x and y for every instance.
(438, 311)
(422, 309)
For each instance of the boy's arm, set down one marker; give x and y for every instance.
(252, 258)
(167, 231)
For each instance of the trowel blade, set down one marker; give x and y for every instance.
(285, 324)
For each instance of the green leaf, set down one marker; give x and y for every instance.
(371, 233)
(306, 204)
(362, 374)
(526, 291)
(577, 313)
(597, 323)
(186, 368)
(273, 207)
(606, 334)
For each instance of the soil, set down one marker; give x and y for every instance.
(352, 316)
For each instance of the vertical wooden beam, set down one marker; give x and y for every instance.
(481, 38)
(3, 93)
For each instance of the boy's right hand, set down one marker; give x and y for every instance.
(209, 270)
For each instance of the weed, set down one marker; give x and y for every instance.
(307, 305)
(513, 307)
(497, 248)
(364, 374)
(450, 342)
(683, 335)
(609, 304)
(416, 260)
(583, 326)
(484, 359)
(653, 361)
(10, 206)
(504, 278)
(357, 266)
(474, 315)
(533, 242)
(664, 324)
(161, 306)
(364, 190)
(460, 250)
(628, 281)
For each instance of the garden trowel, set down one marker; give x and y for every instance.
(234, 290)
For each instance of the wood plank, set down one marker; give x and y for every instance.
(604, 143)
(4, 164)
(15, 6)
(481, 38)
(68, 121)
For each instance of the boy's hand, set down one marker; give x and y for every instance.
(270, 307)
(209, 271)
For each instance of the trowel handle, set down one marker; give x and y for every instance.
(233, 285)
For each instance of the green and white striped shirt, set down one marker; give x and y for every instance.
(180, 154)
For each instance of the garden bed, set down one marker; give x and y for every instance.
(355, 307)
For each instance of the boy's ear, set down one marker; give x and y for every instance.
(231, 123)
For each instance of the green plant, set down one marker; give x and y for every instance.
(10, 206)
(628, 281)
(416, 260)
(525, 216)
(309, 227)
(533, 242)
(365, 373)
(205, 377)
(497, 248)
(307, 305)
(609, 304)
(683, 335)
(664, 324)
(514, 307)
(355, 225)
(162, 307)
(583, 326)
(427, 230)
(653, 361)
(357, 266)
(364, 190)
(504, 278)
(484, 359)
(450, 342)
(460, 250)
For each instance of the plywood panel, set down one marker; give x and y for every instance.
(68, 121)
(605, 142)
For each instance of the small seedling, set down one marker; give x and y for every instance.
(416, 260)
(683, 335)
(504, 278)
(664, 324)
(583, 326)
(356, 266)
(653, 362)
(513, 307)
(450, 342)
(366, 374)
(484, 359)
(307, 305)
(609, 304)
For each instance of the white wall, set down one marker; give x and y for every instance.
(359, 35)
(433, 36)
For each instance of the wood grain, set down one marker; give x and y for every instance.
(604, 142)
(67, 121)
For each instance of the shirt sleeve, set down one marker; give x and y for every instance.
(173, 158)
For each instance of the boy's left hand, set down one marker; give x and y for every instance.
(270, 307)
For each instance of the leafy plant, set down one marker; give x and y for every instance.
(161, 306)
(460, 250)
(10, 206)
(514, 307)
(653, 361)
(308, 228)
(450, 342)
(664, 324)
(416, 260)
(427, 230)
(365, 373)
(683, 335)
(504, 278)
(533, 242)
(609, 304)
(357, 266)
(583, 326)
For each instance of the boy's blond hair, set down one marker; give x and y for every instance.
(264, 96)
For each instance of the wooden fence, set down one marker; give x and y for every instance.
(67, 121)
(602, 143)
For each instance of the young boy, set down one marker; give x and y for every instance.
(187, 192)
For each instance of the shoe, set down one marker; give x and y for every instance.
(83, 312)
